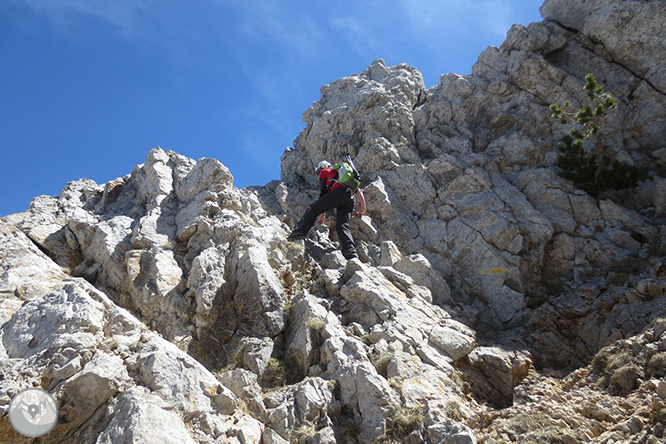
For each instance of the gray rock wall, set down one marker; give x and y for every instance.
(463, 173)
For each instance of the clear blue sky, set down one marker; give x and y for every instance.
(88, 87)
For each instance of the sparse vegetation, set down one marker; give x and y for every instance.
(334, 386)
(315, 323)
(109, 344)
(279, 373)
(275, 374)
(454, 411)
(528, 423)
(235, 361)
(618, 373)
(401, 423)
(302, 434)
(625, 379)
(381, 363)
(396, 384)
(592, 169)
(656, 367)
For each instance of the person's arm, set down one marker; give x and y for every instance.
(361, 201)
(323, 189)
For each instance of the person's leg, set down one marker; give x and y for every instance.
(303, 226)
(347, 244)
(327, 202)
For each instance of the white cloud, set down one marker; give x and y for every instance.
(287, 30)
(125, 15)
(358, 35)
(444, 21)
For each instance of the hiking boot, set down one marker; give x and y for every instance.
(296, 235)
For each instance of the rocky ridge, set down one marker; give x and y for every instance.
(493, 301)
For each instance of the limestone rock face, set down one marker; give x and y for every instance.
(493, 301)
(631, 48)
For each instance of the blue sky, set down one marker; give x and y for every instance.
(88, 87)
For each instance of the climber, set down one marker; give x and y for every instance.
(333, 195)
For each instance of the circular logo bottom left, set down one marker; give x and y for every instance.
(33, 412)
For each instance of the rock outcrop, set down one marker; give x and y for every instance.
(493, 301)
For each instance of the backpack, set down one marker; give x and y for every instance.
(348, 175)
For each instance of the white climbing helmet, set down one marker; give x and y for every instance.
(321, 165)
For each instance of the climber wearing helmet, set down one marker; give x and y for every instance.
(333, 195)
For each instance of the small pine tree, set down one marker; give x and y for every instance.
(593, 170)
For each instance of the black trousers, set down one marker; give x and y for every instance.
(341, 199)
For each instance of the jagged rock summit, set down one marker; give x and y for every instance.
(493, 301)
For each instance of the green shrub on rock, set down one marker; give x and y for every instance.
(592, 169)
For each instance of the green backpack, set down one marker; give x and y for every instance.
(348, 175)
